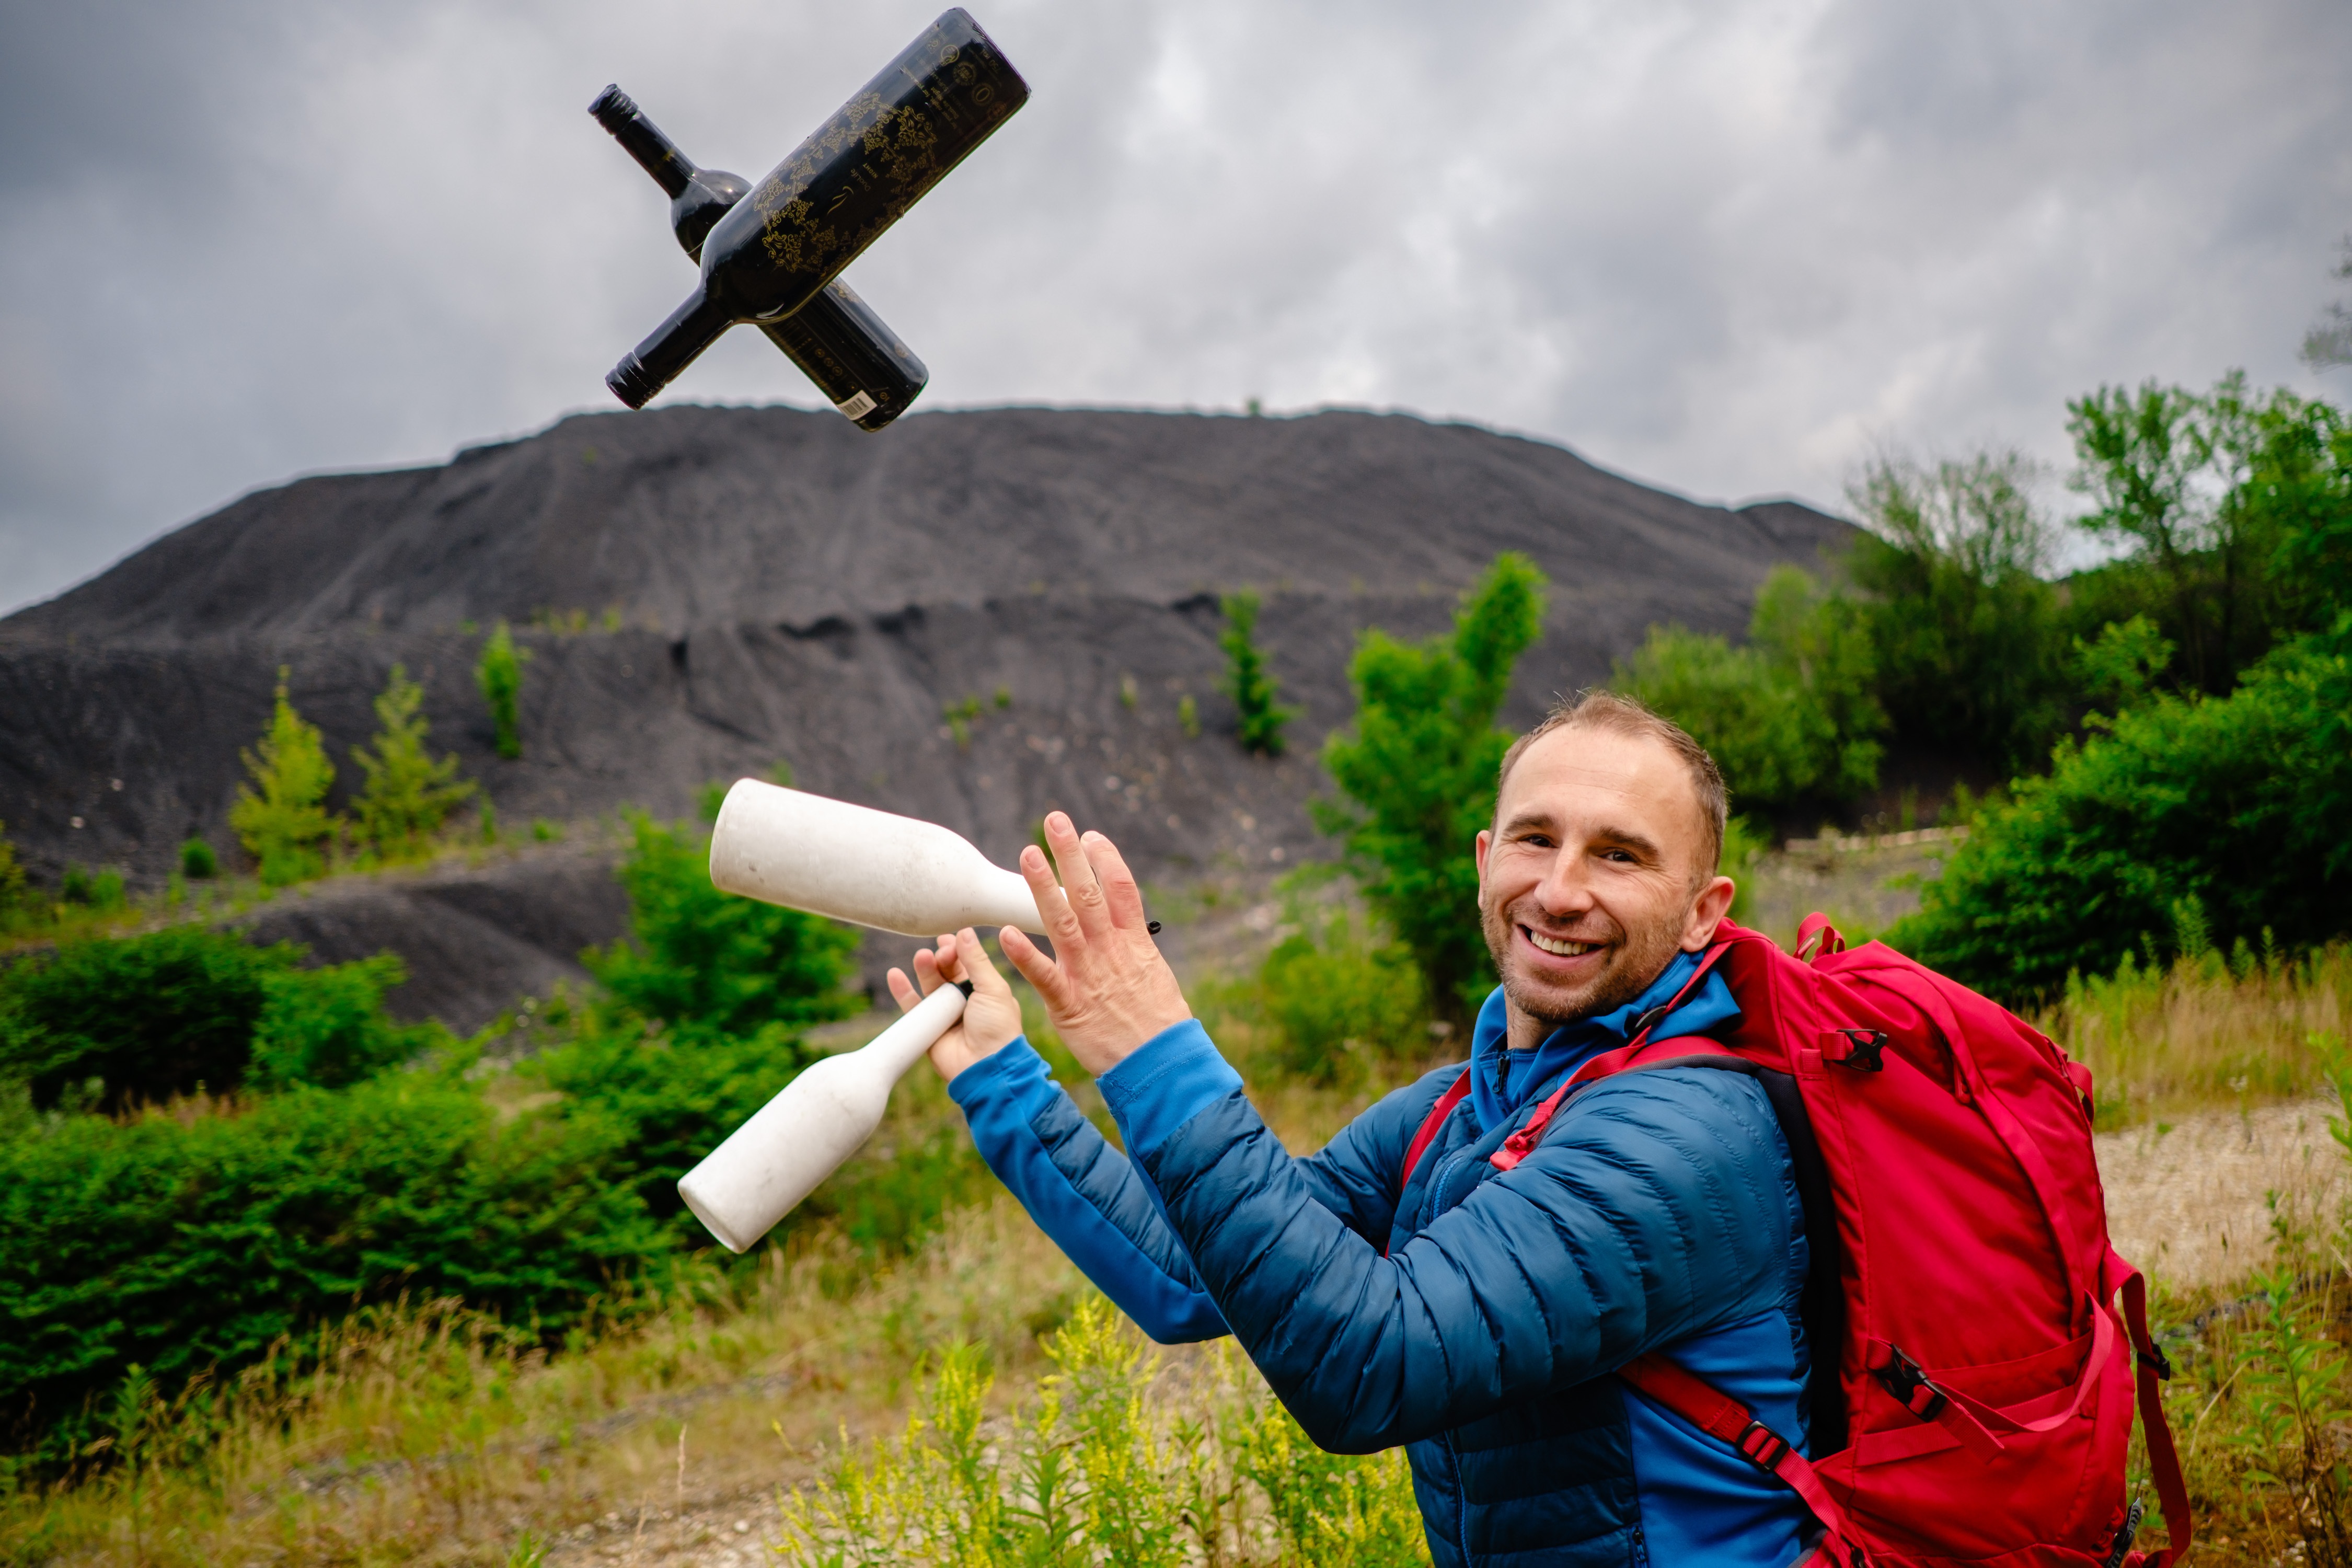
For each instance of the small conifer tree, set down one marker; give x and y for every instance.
(285, 824)
(12, 874)
(408, 793)
(500, 675)
(1247, 680)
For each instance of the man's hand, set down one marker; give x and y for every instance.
(1107, 988)
(992, 1019)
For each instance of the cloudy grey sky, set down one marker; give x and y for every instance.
(1726, 248)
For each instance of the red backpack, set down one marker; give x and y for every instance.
(1988, 1340)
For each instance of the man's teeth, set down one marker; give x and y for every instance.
(1559, 946)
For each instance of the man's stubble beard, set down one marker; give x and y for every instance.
(1638, 961)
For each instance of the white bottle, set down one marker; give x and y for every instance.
(801, 1137)
(856, 864)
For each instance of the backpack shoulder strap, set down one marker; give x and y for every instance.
(1428, 1126)
(1518, 1146)
(1720, 1417)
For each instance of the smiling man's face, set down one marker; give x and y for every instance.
(1595, 874)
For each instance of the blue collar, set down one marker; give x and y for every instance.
(1503, 1079)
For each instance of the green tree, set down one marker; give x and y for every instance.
(710, 964)
(2166, 471)
(285, 825)
(1790, 716)
(1418, 775)
(500, 675)
(1247, 681)
(13, 887)
(408, 793)
(1970, 652)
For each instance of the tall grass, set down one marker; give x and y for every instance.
(2205, 1030)
(1110, 1461)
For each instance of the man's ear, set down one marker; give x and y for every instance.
(1708, 910)
(1485, 839)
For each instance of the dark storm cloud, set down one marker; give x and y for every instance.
(1728, 247)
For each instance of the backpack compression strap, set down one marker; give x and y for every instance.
(1719, 1415)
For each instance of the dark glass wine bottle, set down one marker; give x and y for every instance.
(857, 361)
(773, 250)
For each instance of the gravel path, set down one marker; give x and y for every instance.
(2188, 1200)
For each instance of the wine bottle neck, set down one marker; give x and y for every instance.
(674, 344)
(617, 113)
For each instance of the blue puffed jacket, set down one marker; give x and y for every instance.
(1474, 1317)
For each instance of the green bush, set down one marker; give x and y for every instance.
(326, 1027)
(707, 963)
(1248, 681)
(187, 1245)
(285, 825)
(1788, 717)
(498, 673)
(197, 860)
(165, 1012)
(408, 794)
(14, 890)
(1418, 775)
(1328, 987)
(2241, 804)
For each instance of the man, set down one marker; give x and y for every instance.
(1471, 1312)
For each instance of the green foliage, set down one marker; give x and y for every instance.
(2120, 670)
(172, 1011)
(2167, 473)
(1970, 650)
(13, 888)
(1188, 717)
(408, 793)
(1418, 775)
(100, 890)
(1788, 717)
(498, 674)
(2243, 803)
(1102, 1466)
(182, 1245)
(707, 963)
(285, 825)
(326, 1027)
(1745, 844)
(1327, 990)
(197, 860)
(1247, 681)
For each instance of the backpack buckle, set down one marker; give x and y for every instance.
(2156, 1360)
(1864, 1050)
(1903, 1378)
(1762, 1446)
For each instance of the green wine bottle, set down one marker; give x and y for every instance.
(857, 361)
(773, 251)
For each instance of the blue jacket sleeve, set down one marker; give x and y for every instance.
(1659, 1205)
(1082, 1193)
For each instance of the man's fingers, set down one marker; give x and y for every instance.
(1061, 921)
(1079, 883)
(973, 959)
(1124, 898)
(1038, 969)
(927, 969)
(902, 991)
(949, 959)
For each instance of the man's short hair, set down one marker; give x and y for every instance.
(1594, 709)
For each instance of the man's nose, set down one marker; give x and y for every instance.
(1567, 889)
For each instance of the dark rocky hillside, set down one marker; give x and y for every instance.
(706, 592)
